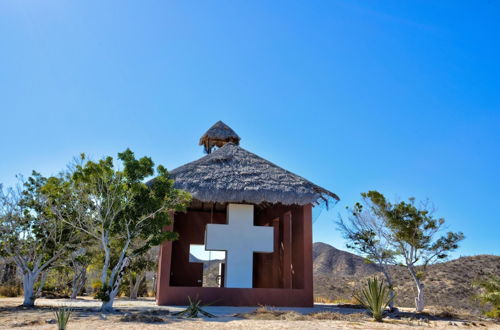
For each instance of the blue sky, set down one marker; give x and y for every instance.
(401, 97)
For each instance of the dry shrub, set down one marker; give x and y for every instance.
(337, 316)
(448, 312)
(267, 313)
(442, 313)
(339, 301)
(323, 300)
(293, 316)
(145, 318)
(27, 323)
(9, 291)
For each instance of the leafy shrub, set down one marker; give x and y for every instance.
(375, 297)
(103, 293)
(490, 295)
(96, 286)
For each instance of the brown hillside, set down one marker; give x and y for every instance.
(329, 261)
(338, 273)
(448, 283)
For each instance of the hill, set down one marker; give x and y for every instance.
(337, 273)
(329, 261)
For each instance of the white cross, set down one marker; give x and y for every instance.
(240, 239)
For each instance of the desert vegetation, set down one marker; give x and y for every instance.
(402, 233)
(375, 297)
(91, 215)
(94, 230)
(450, 285)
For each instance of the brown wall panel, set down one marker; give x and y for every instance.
(178, 279)
(191, 229)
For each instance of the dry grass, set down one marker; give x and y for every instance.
(340, 301)
(449, 313)
(141, 317)
(27, 323)
(338, 316)
(268, 313)
(9, 291)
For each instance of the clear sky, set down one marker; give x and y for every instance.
(398, 96)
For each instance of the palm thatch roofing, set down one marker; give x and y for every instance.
(233, 174)
(218, 135)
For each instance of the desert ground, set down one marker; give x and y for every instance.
(144, 314)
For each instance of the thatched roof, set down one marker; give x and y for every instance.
(233, 174)
(218, 135)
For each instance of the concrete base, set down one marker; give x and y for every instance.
(238, 297)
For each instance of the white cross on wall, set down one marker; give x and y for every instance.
(240, 239)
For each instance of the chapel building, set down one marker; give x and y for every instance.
(256, 212)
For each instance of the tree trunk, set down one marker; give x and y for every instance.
(391, 288)
(392, 295)
(134, 286)
(107, 306)
(78, 281)
(28, 288)
(419, 299)
(42, 284)
(74, 287)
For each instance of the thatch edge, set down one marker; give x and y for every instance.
(256, 197)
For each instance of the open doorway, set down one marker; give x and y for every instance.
(213, 264)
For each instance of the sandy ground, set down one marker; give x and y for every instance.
(86, 316)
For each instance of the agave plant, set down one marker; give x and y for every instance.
(62, 316)
(375, 297)
(194, 309)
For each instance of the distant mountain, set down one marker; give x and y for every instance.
(211, 270)
(337, 274)
(206, 263)
(329, 261)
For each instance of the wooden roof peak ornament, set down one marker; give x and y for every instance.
(217, 136)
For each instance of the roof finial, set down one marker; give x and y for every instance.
(217, 136)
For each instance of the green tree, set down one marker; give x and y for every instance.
(31, 234)
(413, 232)
(118, 209)
(367, 234)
